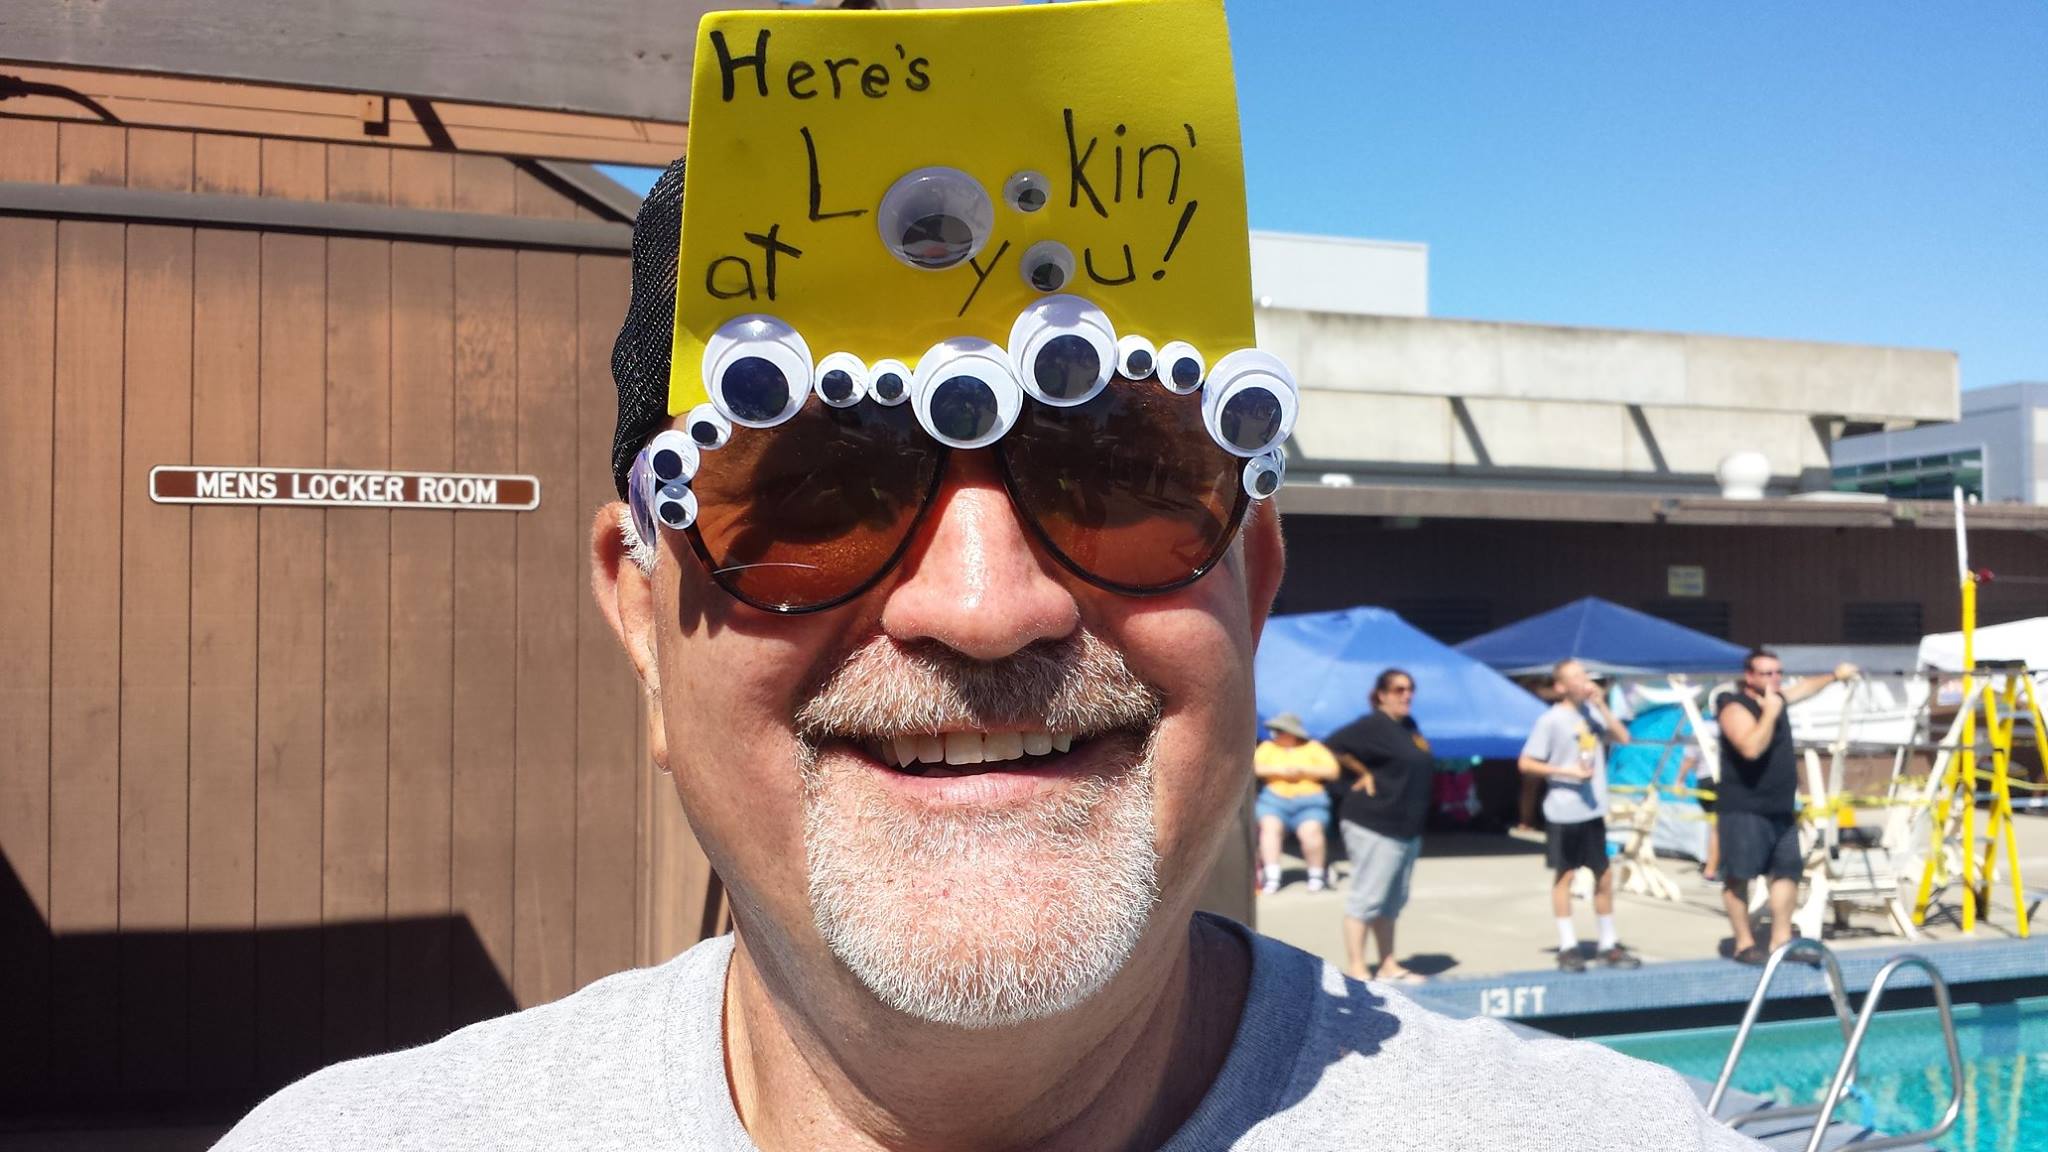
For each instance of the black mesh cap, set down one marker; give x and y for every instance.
(640, 356)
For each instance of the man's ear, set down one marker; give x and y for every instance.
(1265, 562)
(625, 594)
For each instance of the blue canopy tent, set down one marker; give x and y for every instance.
(1606, 638)
(1321, 665)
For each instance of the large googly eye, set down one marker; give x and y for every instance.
(708, 427)
(1027, 191)
(676, 506)
(641, 490)
(935, 218)
(1047, 266)
(758, 371)
(1063, 350)
(842, 379)
(1248, 402)
(1264, 474)
(1135, 357)
(1180, 366)
(672, 457)
(965, 393)
(889, 382)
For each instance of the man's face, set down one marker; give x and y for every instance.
(1764, 675)
(1574, 683)
(977, 894)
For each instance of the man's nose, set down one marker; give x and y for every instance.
(971, 580)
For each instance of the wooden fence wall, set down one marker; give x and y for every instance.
(280, 786)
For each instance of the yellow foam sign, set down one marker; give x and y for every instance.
(1124, 112)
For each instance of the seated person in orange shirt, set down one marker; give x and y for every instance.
(1292, 770)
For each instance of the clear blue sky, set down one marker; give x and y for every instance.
(1870, 172)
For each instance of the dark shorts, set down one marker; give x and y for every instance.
(1753, 844)
(1580, 845)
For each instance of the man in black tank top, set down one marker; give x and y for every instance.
(1757, 804)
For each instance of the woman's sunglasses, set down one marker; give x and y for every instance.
(1128, 491)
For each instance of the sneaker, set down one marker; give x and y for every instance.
(1571, 961)
(1316, 882)
(1270, 885)
(1754, 956)
(1619, 957)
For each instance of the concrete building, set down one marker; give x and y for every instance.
(1997, 451)
(1469, 473)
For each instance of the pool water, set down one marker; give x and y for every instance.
(1903, 1084)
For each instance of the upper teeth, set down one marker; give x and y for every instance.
(975, 747)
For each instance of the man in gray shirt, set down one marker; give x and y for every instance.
(1568, 749)
(961, 728)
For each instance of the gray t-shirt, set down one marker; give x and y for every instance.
(636, 1061)
(1560, 736)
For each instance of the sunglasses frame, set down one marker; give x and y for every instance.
(1241, 502)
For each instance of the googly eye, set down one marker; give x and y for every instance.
(1180, 366)
(842, 379)
(1027, 191)
(1263, 475)
(1135, 357)
(757, 370)
(672, 457)
(1047, 266)
(1063, 350)
(708, 427)
(1248, 402)
(889, 382)
(641, 489)
(676, 506)
(935, 218)
(965, 393)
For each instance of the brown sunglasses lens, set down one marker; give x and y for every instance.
(811, 512)
(1128, 489)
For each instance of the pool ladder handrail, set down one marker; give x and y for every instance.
(1853, 1036)
(1845, 1071)
(1837, 992)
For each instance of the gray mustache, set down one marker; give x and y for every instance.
(1079, 683)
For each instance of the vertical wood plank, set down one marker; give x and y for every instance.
(358, 174)
(606, 689)
(290, 633)
(92, 154)
(294, 169)
(227, 165)
(226, 290)
(422, 607)
(160, 159)
(533, 196)
(422, 179)
(28, 151)
(28, 320)
(483, 184)
(550, 590)
(422, 614)
(358, 601)
(155, 552)
(85, 657)
(485, 598)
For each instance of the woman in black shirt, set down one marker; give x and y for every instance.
(1382, 818)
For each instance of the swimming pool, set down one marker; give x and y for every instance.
(1903, 1083)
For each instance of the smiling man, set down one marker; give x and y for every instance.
(948, 653)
